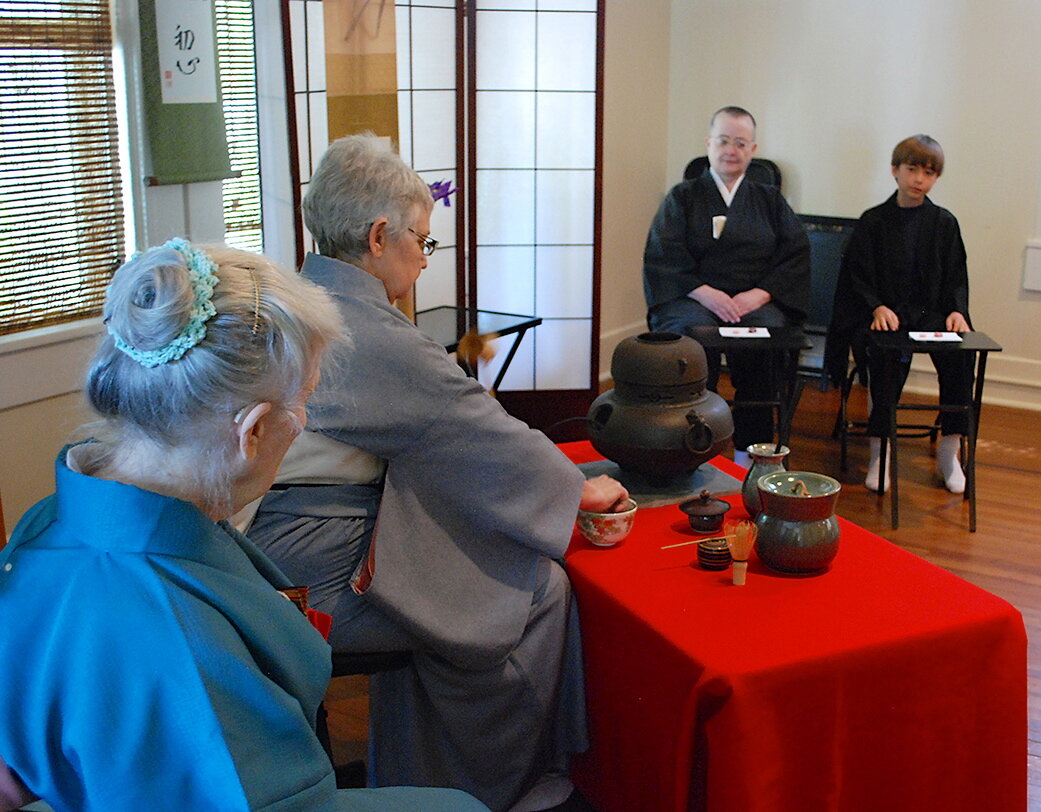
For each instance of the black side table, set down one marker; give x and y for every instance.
(447, 324)
(782, 347)
(895, 343)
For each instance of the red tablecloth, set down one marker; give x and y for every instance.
(885, 683)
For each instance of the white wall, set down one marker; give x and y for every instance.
(636, 137)
(40, 403)
(835, 84)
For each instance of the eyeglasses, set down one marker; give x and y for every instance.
(722, 141)
(428, 242)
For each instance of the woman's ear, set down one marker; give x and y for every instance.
(249, 428)
(378, 237)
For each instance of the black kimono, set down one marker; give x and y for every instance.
(762, 245)
(913, 262)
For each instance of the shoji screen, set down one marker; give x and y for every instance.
(429, 133)
(498, 109)
(535, 130)
(308, 116)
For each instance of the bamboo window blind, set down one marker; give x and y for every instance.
(61, 209)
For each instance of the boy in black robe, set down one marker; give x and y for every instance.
(905, 269)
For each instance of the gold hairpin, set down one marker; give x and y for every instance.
(256, 300)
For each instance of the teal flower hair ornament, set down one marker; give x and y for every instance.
(202, 272)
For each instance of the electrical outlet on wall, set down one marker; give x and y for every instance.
(1032, 266)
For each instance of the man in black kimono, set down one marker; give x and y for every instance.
(725, 250)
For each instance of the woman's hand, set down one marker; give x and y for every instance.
(956, 323)
(882, 318)
(601, 494)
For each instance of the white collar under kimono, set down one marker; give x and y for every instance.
(314, 459)
(725, 193)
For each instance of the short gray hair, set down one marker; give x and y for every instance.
(270, 327)
(734, 111)
(357, 181)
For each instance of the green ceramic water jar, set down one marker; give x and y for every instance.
(797, 527)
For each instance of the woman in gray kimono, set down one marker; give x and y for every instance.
(423, 517)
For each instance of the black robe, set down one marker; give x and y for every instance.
(874, 270)
(763, 245)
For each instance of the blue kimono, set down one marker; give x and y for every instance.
(150, 663)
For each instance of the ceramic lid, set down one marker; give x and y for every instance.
(704, 504)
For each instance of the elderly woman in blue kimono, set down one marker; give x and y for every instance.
(423, 517)
(150, 661)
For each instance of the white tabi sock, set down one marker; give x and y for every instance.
(948, 462)
(871, 480)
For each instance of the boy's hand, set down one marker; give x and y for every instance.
(882, 318)
(956, 323)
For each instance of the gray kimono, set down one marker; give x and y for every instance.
(474, 507)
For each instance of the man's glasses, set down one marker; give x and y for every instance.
(722, 141)
(429, 243)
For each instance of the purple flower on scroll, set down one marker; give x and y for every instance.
(441, 189)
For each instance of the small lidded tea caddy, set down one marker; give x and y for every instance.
(705, 512)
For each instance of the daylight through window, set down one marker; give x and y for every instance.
(61, 208)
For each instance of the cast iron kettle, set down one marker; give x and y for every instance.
(659, 420)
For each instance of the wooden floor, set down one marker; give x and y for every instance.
(1003, 556)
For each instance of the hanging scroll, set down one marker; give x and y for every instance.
(361, 67)
(184, 116)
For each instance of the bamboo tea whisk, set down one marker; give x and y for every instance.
(741, 537)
